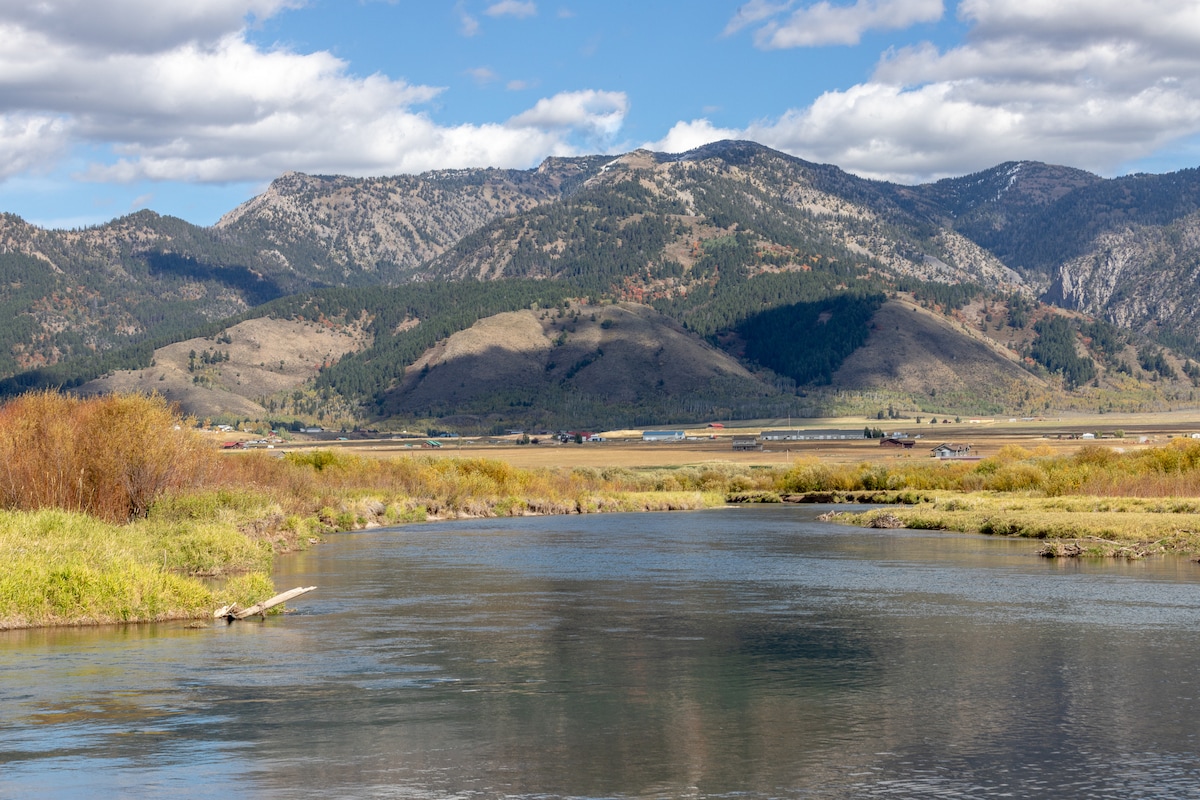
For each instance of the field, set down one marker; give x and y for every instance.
(1060, 435)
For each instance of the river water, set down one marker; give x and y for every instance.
(738, 652)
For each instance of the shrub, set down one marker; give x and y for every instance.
(110, 456)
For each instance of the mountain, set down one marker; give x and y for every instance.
(784, 269)
(80, 294)
(339, 231)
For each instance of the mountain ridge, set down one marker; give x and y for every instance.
(710, 239)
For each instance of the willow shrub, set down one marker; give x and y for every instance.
(109, 456)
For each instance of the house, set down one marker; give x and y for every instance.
(952, 450)
(812, 435)
(896, 441)
(663, 436)
(747, 443)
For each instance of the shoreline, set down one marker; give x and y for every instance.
(258, 534)
(234, 515)
(1077, 527)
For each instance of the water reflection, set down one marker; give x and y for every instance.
(744, 651)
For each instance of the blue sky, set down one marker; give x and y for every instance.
(109, 106)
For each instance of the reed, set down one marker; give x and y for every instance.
(1172, 470)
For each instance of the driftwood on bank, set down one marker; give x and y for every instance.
(234, 611)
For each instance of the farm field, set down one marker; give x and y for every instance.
(705, 445)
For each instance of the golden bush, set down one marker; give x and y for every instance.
(109, 456)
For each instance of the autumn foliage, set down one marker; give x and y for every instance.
(109, 456)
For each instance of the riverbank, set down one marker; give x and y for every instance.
(1101, 527)
(203, 550)
(65, 568)
(157, 514)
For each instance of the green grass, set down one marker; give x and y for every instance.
(64, 568)
(1102, 526)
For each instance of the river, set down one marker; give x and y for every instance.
(735, 653)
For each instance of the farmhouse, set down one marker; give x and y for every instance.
(895, 441)
(811, 435)
(952, 450)
(746, 443)
(663, 436)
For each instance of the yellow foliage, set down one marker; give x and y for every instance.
(108, 456)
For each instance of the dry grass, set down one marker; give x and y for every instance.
(266, 356)
(1126, 528)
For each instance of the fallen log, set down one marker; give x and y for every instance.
(232, 612)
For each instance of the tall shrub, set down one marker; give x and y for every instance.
(108, 456)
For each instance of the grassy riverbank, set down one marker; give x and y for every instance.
(116, 511)
(1075, 526)
(1094, 502)
(66, 568)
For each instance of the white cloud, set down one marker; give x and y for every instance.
(754, 12)
(220, 109)
(824, 23)
(1090, 83)
(512, 8)
(483, 75)
(31, 142)
(596, 111)
(138, 26)
(685, 136)
(468, 25)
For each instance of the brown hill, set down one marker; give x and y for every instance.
(229, 374)
(915, 352)
(615, 355)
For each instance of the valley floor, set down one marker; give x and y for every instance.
(1063, 435)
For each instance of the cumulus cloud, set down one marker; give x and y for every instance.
(824, 23)
(596, 111)
(31, 141)
(511, 8)
(1091, 83)
(685, 136)
(483, 75)
(140, 26)
(468, 25)
(218, 108)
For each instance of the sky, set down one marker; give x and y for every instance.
(189, 108)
